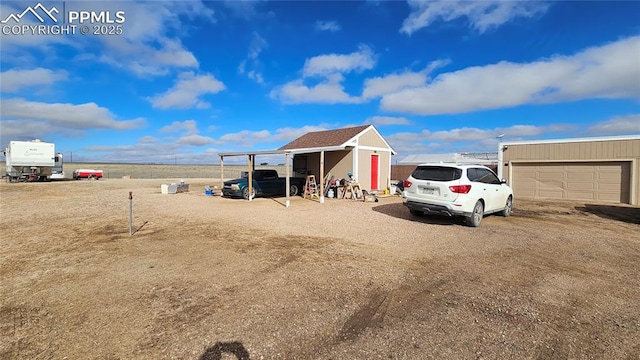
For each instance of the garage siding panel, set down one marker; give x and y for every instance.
(597, 181)
(604, 151)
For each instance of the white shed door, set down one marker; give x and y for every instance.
(596, 181)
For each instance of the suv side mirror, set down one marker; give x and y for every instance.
(503, 181)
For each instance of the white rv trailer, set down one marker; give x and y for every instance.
(29, 160)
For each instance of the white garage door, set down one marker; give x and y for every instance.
(597, 181)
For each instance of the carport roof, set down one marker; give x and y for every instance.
(256, 152)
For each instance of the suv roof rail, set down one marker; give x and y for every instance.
(470, 163)
(460, 163)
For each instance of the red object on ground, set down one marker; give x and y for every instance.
(87, 173)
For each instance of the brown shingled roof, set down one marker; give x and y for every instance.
(326, 138)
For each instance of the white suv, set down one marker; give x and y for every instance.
(457, 190)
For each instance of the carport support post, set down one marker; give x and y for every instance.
(321, 177)
(221, 173)
(250, 176)
(288, 181)
(130, 213)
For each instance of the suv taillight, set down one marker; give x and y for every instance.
(460, 189)
(406, 184)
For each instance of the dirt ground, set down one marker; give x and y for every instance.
(213, 278)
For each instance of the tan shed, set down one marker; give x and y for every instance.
(359, 150)
(604, 169)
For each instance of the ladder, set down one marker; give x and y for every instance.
(311, 188)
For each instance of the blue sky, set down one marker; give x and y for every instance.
(185, 80)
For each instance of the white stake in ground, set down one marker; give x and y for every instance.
(130, 213)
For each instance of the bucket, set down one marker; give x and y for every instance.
(393, 189)
(208, 192)
(330, 193)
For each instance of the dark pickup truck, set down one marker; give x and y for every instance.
(265, 183)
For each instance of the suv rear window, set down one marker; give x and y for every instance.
(436, 173)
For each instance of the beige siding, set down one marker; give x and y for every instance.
(558, 163)
(370, 138)
(364, 169)
(339, 163)
(385, 170)
(596, 150)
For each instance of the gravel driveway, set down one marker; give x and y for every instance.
(214, 278)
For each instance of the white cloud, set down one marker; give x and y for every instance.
(514, 131)
(149, 44)
(248, 138)
(83, 116)
(187, 91)
(468, 138)
(623, 124)
(330, 69)
(245, 138)
(323, 65)
(609, 71)
(245, 9)
(146, 48)
(148, 140)
(144, 152)
(288, 134)
(195, 140)
(256, 76)
(257, 45)
(15, 80)
(392, 83)
(388, 120)
(329, 91)
(332, 26)
(242, 66)
(190, 127)
(481, 15)
(14, 45)
(146, 59)
(190, 134)
(29, 119)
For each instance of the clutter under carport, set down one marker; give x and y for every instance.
(348, 188)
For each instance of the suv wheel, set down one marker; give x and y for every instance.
(476, 216)
(508, 207)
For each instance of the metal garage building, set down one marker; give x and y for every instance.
(595, 169)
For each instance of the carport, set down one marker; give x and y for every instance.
(358, 151)
(287, 154)
(251, 156)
